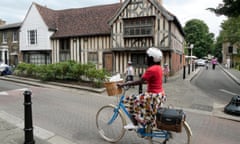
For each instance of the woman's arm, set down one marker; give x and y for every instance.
(132, 83)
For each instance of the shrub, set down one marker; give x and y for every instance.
(68, 70)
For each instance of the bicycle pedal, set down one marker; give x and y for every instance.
(170, 135)
(147, 137)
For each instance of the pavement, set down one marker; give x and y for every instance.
(179, 94)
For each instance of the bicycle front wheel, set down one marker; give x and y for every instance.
(110, 123)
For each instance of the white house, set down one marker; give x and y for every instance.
(35, 42)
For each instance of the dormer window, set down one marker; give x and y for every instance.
(138, 27)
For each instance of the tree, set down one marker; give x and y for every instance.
(229, 8)
(218, 48)
(231, 30)
(197, 33)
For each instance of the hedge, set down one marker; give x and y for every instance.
(63, 71)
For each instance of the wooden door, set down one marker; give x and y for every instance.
(108, 61)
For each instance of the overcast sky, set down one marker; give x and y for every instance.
(13, 11)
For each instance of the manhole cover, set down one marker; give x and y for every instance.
(202, 107)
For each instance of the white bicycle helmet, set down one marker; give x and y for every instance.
(155, 53)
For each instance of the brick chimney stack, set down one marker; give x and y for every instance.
(2, 22)
(160, 1)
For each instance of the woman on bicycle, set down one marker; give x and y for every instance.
(143, 107)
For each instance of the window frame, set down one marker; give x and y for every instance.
(15, 36)
(139, 59)
(93, 57)
(32, 37)
(64, 50)
(4, 37)
(138, 27)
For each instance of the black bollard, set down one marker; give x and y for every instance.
(189, 69)
(192, 67)
(140, 86)
(28, 118)
(184, 71)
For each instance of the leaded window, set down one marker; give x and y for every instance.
(139, 27)
(32, 37)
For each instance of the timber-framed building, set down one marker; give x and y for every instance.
(107, 35)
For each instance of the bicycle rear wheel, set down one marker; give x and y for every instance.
(183, 137)
(110, 123)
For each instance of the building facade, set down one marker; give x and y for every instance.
(9, 43)
(106, 35)
(231, 52)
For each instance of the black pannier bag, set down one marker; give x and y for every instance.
(170, 119)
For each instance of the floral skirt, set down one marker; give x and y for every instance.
(143, 107)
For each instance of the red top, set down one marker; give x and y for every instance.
(153, 76)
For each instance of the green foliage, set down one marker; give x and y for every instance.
(197, 33)
(229, 8)
(63, 71)
(231, 30)
(230, 33)
(218, 49)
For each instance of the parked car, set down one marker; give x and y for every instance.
(5, 69)
(200, 62)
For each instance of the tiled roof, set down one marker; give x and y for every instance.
(10, 26)
(49, 16)
(79, 22)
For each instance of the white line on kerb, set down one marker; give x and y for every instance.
(3, 93)
(228, 92)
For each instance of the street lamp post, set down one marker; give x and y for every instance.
(190, 61)
(191, 47)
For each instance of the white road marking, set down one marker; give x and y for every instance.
(16, 90)
(228, 92)
(3, 93)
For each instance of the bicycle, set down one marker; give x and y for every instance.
(111, 119)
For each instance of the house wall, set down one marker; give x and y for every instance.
(80, 47)
(234, 58)
(9, 50)
(4, 48)
(34, 21)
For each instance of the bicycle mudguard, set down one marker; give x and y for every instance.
(170, 119)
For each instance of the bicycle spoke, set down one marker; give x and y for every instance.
(111, 129)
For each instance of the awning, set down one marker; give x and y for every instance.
(193, 57)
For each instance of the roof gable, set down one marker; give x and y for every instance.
(169, 16)
(49, 16)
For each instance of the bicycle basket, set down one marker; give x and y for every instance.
(112, 88)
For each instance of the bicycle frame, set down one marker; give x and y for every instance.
(120, 106)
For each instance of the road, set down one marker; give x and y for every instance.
(66, 112)
(71, 114)
(216, 84)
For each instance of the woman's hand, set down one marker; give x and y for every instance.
(120, 85)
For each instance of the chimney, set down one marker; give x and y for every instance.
(2, 22)
(160, 2)
(121, 1)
